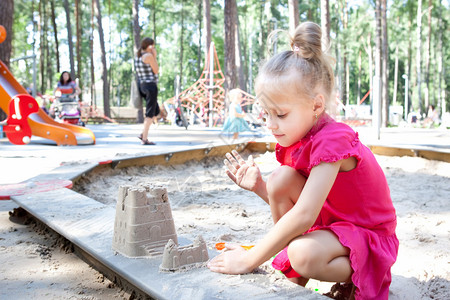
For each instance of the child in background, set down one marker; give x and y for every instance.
(235, 122)
(329, 199)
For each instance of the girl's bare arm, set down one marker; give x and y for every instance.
(294, 223)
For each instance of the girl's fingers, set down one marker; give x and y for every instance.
(231, 175)
(216, 263)
(230, 167)
(232, 160)
(251, 162)
(239, 158)
(231, 246)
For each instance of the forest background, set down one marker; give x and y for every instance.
(400, 46)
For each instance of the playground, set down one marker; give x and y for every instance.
(65, 178)
(198, 189)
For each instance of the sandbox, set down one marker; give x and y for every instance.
(89, 225)
(204, 201)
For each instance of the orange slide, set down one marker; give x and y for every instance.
(41, 124)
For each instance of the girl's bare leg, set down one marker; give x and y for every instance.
(321, 256)
(235, 135)
(318, 254)
(299, 280)
(284, 187)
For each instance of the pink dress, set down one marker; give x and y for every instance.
(358, 209)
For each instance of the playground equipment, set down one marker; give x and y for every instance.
(205, 99)
(39, 122)
(16, 125)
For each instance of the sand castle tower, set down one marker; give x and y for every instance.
(143, 223)
(175, 257)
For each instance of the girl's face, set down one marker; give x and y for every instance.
(289, 116)
(65, 76)
(237, 99)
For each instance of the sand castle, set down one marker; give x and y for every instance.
(175, 257)
(143, 223)
(144, 227)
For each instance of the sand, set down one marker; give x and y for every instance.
(205, 201)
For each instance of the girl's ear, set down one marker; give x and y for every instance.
(319, 104)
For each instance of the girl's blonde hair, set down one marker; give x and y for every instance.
(234, 94)
(307, 60)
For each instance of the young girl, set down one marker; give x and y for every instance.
(235, 122)
(329, 199)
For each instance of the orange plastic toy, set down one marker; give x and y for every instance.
(221, 246)
(2, 34)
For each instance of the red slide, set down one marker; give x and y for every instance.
(16, 103)
(40, 123)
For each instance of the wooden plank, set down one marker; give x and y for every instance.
(397, 151)
(89, 225)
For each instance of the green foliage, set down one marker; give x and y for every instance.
(257, 18)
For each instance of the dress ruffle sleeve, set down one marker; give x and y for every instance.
(335, 143)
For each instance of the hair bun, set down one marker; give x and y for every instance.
(307, 40)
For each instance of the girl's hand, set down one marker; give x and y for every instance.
(232, 261)
(244, 174)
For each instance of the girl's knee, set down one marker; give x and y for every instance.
(282, 179)
(302, 258)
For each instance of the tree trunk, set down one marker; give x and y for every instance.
(137, 41)
(42, 38)
(384, 67)
(409, 67)
(394, 97)
(69, 38)
(78, 44)
(370, 56)
(338, 63)
(419, 55)
(345, 67)
(358, 96)
(239, 62)
(207, 20)
(55, 32)
(6, 17)
(48, 60)
(293, 15)
(106, 105)
(230, 34)
(262, 31)
(136, 27)
(427, 59)
(91, 48)
(199, 51)
(376, 108)
(181, 41)
(441, 70)
(325, 21)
